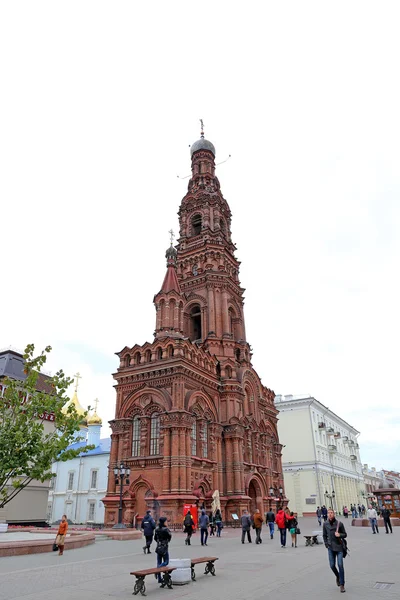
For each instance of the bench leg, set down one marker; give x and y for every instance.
(167, 581)
(210, 568)
(193, 575)
(139, 587)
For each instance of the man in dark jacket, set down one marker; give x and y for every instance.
(162, 536)
(188, 526)
(270, 519)
(333, 533)
(246, 524)
(324, 512)
(204, 522)
(148, 526)
(385, 514)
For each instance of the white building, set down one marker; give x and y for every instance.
(321, 457)
(81, 483)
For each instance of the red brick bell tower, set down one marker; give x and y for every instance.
(192, 415)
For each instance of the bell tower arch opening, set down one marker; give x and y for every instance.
(195, 330)
(196, 224)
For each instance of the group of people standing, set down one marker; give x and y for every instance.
(284, 519)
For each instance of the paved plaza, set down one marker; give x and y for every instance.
(101, 571)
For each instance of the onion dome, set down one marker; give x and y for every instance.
(202, 143)
(94, 419)
(78, 407)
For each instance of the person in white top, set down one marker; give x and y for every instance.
(373, 519)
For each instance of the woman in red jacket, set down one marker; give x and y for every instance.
(280, 520)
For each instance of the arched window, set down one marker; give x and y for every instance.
(136, 437)
(228, 371)
(204, 440)
(237, 352)
(195, 323)
(155, 435)
(127, 360)
(222, 226)
(137, 358)
(148, 356)
(194, 439)
(159, 354)
(196, 225)
(170, 351)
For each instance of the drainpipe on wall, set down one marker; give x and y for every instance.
(78, 488)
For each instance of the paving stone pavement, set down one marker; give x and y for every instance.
(101, 571)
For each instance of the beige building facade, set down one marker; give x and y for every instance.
(320, 457)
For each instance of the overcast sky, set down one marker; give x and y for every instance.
(99, 104)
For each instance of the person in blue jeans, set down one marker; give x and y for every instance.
(333, 533)
(204, 522)
(162, 536)
(218, 522)
(373, 519)
(270, 519)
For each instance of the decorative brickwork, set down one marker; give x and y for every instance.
(194, 386)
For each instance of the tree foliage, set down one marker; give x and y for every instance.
(29, 443)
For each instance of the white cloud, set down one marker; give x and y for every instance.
(101, 102)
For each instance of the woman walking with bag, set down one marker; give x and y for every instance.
(293, 529)
(162, 536)
(218, 522)
(61, 535)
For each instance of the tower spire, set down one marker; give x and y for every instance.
(202, 129)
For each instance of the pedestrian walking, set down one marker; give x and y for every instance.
(204, 522)
(218, 522)
(333, 532)
(293, 529)
(363, 509)
(270, 519)
(162, 536)
(280, 520)
(62, 534)
(324, 512)
(212, 524)
(258, 521)
(148, 525)
(373, 519)
(246, 524)
(319, 515)
(188, 527)
(346, 512)
(385, 514)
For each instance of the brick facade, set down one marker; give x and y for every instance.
(192, 415)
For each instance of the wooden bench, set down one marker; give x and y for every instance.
(210, 567)
(311, 540)
(141, 575)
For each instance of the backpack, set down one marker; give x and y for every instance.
(188, 521)
(162, 548)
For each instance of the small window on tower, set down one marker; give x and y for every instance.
(195, 323)
(196, 225)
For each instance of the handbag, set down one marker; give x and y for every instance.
(343, 542)
(55, 547)
(298, 532)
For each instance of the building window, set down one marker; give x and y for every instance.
(204, 439)
(93, 480)
(70, 480)
(196, 225)
(155, 435)
(195, 323)
(194, 439)
(92, 511)
(49, 512)
(53, 482)
(136, 437)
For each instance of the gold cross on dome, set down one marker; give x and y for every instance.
(78, 377)
(202, 128)
(172, 235)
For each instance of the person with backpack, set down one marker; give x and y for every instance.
(204, 522)
(293, 529)
(270, 519)
(148, 525)
(218, 522)
(280, 520)
(334, 535)
(319, 515)
(188, 526)
(162, 536)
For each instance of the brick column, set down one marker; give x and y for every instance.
(188, 459)
(182, 459)
(225, 314)
(229, 466)
(211, 310)
(218, 313)
(174, 459)
(236, 467)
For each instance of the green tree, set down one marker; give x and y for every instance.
(27, 447)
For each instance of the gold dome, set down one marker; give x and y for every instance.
(94, 419)
(78, 407)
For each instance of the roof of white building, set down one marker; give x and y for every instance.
(102, 448)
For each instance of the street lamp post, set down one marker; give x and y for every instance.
(274, 492)
(331, 498)
(121, 474)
